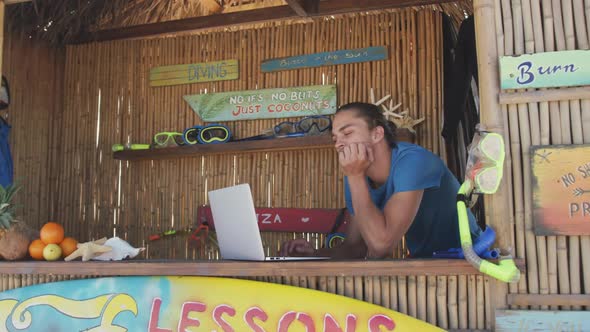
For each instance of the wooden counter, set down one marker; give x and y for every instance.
(246, 269)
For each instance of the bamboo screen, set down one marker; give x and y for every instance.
(107, 99)
(555, 264)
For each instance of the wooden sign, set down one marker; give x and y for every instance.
(325, 59)
(543, 70)
(561, 189)
(194, 73)
(166, 304)
(264, 104)
(286, 219)
(553, 321)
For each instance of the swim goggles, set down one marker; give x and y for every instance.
(168, 138)
(308, 126)
(210, 134)
(486, 161)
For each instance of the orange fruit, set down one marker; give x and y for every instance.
(68, 246)
(36, 249)
(52, 233)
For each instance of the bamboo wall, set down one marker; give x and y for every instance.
(35, 74)
(555, 264)
(107, 99)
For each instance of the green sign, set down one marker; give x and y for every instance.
(194, 73)
(543, 70)
(264, 104)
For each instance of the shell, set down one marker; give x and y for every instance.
(121, 250)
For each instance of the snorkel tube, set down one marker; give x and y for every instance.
(484, 172)
(506, 270)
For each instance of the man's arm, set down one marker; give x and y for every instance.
(352, 247)
(382, 230)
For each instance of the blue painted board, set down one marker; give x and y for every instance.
(325, 59)
(535, 320)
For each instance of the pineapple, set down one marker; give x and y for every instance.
(7, 209)
(15, 236)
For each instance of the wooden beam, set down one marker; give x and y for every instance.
(12, 2)
(188, 24)
(521, 97)
(332, 7)
(328, 7)
(406, 267)
(549, 299)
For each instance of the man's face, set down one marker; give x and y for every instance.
(347, 128)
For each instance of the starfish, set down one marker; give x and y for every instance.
(89, 250)
(401, 119)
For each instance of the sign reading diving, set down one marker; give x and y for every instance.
(543, 70)
(325, 59)
(561, 189)
(194, 73)
(264, 104)
(166, 304)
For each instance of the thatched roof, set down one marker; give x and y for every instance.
(61, 21)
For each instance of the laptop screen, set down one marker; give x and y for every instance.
(236, 224)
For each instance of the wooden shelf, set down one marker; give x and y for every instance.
(408, 267)
(277, 144)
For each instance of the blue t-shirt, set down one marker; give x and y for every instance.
(436, 225)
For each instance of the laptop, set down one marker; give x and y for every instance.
(236, 225)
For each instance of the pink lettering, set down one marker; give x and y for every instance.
(252, 313)
(330, 324)
(188, 307)
(377, 321)
(288, 318)
(220, 310)
(155, 317)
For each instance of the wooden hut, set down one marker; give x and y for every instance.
(79, 76)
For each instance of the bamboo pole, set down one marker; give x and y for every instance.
(491, 118)
(562, 254)
(430, 301)
(500, 40)
(462, 299)
(525, 141)
(533, 37)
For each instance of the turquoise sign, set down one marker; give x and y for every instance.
(325, 59)
(544, 70)
(264, 103)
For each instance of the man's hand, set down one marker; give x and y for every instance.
(355, 158)
(297, 247)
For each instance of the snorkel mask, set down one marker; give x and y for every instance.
(483, 175)
(210, 134)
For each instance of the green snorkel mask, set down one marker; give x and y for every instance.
(483, 175)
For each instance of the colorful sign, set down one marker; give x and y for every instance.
(194, 73)
(543, 70)
(325, 59)
(264, 104)
(534, 320)
(287, 219)
(561, 189)
(165, 304)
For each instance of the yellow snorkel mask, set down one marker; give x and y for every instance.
(483, 175)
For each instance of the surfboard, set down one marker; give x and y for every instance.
(167, 303)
